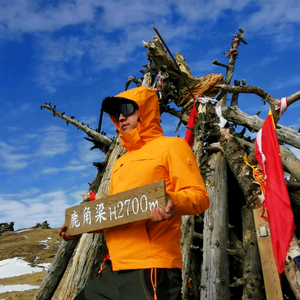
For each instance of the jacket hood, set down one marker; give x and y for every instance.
(148, 127)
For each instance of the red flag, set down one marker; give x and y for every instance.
(92, 195)
(277, 201)
(188, 134)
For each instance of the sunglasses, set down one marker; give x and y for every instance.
(125, 109)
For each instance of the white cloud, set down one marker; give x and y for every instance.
(278, 23)
(201, 9)
(10, 159)
(286, 82)
(49, 75)
(267, 60)
(54, 141)
(205, 65)
(112, 30)
(64, 169)
(86, 155)
(82, 162)
(14, 111)
(26, 212)
(34, 16)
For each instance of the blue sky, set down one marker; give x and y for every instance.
(74, 53)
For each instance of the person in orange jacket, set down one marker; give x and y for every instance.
(145, 256)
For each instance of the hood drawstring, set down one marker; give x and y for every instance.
(100, 120)
(154, 284)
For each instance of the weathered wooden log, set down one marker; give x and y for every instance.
(184, 118)
(184, 68)
(186, 243)
(96, 136)
(65, 251)
(92, 247)
(233, 53)
(252, 289)
(285, 135)
(204, 85)
(215, 267)
(196, 258)
(242, 172)
(291, 267)
(290, 162)
(198, 130)
(56, 271)
(292, 185)
(259, 92)
(247, 89)
(295, 199)
(195, 276)
(236, 252)
(86, 263)
(293, 280)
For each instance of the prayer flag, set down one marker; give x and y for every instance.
(92, 195)
(277, 201)
(188, 134)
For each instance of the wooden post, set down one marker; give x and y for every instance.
(252, 287)
(187, 228)
(92, 247)
(291, 268)
(86, 264)
(56, 271)
(269, 268)
(65, 251)
(215, 267)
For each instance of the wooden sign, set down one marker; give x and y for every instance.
(122, 208)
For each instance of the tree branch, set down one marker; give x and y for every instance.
(247, 89)
(96, 136)
(238, 117)
(184, 118)
(293, 98)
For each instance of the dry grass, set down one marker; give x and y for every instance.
(26, 244)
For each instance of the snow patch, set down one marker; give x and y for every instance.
(22, 230)
(17, 266)
(45, 243)
(17, 288)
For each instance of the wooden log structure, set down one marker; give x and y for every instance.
(252, 287)
(229, 264)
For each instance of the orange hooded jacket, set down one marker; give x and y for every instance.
(150, 157)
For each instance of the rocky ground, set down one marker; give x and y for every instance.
(35, 246)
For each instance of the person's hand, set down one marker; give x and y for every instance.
(65, 236)
(159, 215)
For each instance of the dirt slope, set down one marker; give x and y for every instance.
(36, 247)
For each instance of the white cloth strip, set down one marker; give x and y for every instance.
(283, 105)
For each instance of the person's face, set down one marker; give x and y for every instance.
(128, 122)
